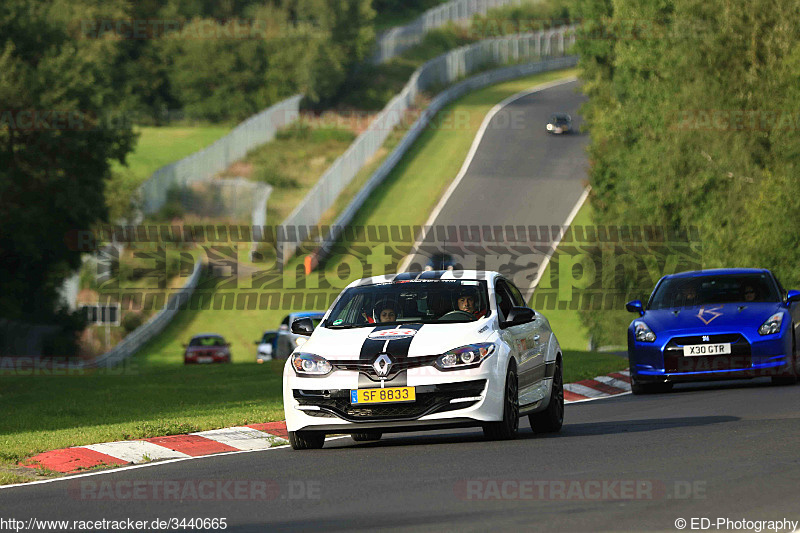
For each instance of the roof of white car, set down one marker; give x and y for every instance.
(487, 275)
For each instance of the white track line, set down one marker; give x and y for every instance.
(70, 477)
(468, 161)
(554, 245)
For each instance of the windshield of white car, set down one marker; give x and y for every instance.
(714, 289)
(422, 301)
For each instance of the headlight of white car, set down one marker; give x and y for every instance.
(772, 325)
(469, 355)
(309, 364)
(549, 127)
(643, 333)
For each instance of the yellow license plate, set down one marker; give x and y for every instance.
(389, 395)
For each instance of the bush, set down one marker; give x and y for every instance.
(131, 321)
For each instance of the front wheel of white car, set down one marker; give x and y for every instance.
(551, 419)
(306, 440)
(507, 428)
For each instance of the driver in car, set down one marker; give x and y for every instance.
(384, 311)
(466, 302)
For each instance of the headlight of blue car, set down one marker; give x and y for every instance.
(772, 325)
(642, 332)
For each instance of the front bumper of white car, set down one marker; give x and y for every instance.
(463, 397)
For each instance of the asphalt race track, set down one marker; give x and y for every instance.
(630, 463)
(520, 176)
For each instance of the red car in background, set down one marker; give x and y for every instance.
(207, 348)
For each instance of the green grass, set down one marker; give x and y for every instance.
(155, 147)
(159, 146)
(139, 400)
(566, 323)
(293, 162)
(389, 18)
(579, 365)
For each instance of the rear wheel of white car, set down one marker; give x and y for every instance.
(367, 436)
(551, 419)
(306, 440)
(507, 428)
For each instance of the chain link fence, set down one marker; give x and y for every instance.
(443, 70)
(202, 165)
(394, 41)
(141, 335)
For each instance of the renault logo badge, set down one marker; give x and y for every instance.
(382, 365)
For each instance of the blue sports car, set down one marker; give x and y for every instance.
(713, 324)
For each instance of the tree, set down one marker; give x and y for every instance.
(55, 146)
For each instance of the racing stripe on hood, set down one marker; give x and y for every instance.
(397, 349)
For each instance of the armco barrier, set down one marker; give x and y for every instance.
(136, 339)
(443, 70)
(202, 165)
(394, 41)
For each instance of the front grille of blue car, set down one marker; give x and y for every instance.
(676, 362)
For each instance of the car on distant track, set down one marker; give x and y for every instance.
(462, 350)
(265, 346)
(287, 341)
(714, 324)
(559, 123)
(207, 348)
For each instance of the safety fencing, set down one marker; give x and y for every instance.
(155, 325)
(203, 165)
(443, 70)
(392, 42)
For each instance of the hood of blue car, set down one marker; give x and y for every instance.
(712, 317)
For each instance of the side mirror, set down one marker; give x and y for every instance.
(256, 342)
(519, 315)
(635, 306)
(185, 345)
(793, 296)
(303, 326)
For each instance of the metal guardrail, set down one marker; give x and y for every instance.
(202, 165)
(155, 325)
(394, 41)
(443, 70)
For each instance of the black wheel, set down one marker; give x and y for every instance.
(306, 440)
(649, 388)
(507, 428)
(790, 377)
(551, 419)
(366, 436)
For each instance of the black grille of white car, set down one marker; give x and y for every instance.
(430, 399)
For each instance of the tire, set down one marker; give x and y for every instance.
(366, 436)
(790, 378)
(507, 428)
(649, 388)
(306, 440)
(551, 419)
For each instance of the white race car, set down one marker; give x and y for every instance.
(418, 351)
